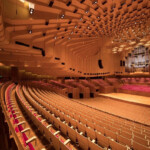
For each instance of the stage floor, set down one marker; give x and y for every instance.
(143, 100)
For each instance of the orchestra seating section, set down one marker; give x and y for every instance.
(135, 85)
(113, 81)
(40, 119)
(81, 88)
(89, 88)
(104, 86)
(84, 88)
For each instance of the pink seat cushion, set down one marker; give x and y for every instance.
(20, 127)
(25, 138)
(16, 120)
(16, 129)
(142, 88)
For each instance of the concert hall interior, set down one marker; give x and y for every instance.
(74, 74)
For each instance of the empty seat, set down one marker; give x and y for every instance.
(63, 128)
(55, 142)
(127, 135)
(102, 140)
(111, 134)
(100, 129)
(72, 134)
(81, 127)
(137, 146)
(116, 146)
(124, 140)
(83, 141)
(141, 141)
(94, 146)
(90, 133)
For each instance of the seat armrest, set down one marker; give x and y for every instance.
(23, 122)
(56, 132)
(67, 141)
(34, 138)
(43, 120)
(50, 125)
(18, 117)
(25, 130)
(16, 113)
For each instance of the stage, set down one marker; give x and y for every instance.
(136, 99)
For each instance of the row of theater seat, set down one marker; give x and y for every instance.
(120, 120)
(42, 119)
(22, 130)
(142, 88)
(69, 125)
(134, 141)
(136, 80)
(66, 128)
(104, 86)
(123, 109)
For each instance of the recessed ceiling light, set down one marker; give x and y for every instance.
(86, 11)
(30, 31)
(22, 1)
(62, 16)
(31, 10)
(95, 2)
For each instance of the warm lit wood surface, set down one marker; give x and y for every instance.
(129, 98)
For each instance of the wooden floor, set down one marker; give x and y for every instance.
(143, 100)
(122, 108)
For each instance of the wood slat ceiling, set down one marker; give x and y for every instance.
(76, 24)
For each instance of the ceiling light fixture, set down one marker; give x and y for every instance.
(95, 2)
(30, 31)
(62, 16)
(31, 8)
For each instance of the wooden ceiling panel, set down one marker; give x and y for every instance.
(36, 22)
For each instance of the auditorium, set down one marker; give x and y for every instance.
(74, 74)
